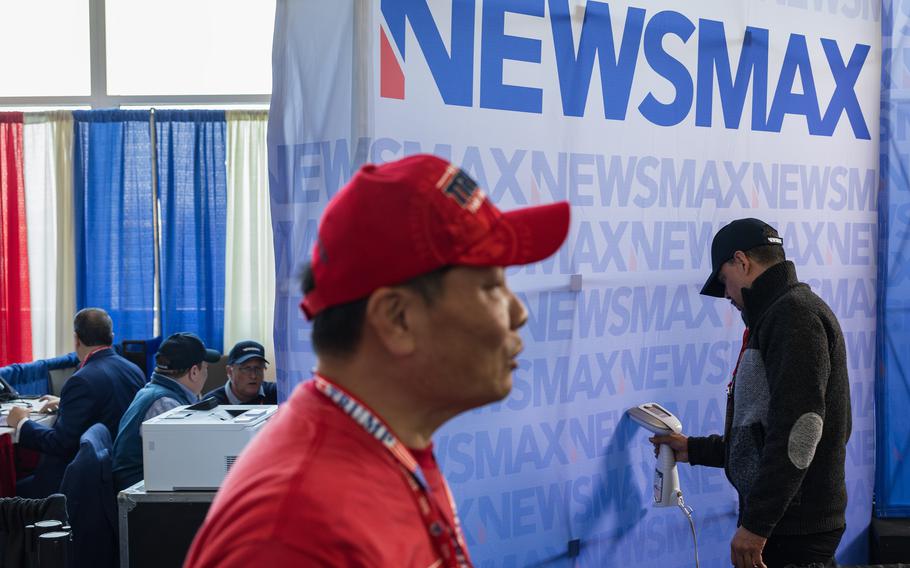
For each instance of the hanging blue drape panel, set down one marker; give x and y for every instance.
(113, 208)
(892, 394)
(192, 188)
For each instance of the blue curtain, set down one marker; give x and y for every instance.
(113, 208)
(892, 382)
(192, 188)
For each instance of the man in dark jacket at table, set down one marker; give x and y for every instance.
(246, 382)
(99, 391)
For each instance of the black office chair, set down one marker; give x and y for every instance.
(133, 350)
(141, 352)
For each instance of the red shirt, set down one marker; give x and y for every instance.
(315, 489)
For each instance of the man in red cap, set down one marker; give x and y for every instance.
(413, 324)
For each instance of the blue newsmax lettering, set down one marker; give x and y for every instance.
(619, 63)
(618, 311)
(630, 246)
(467, 456)
(541, 382)
(313, 173)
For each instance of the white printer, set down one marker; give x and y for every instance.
(185, 449)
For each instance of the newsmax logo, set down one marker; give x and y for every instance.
(791, 89)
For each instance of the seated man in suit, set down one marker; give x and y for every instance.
(99, 391)
(181, 367)
(246, 382)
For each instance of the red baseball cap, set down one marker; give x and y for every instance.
(396, 221)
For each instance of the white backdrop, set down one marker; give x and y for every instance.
(659, 126)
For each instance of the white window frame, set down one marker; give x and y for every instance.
(99, 97)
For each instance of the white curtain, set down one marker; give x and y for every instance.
(48, 155)
(249, 282)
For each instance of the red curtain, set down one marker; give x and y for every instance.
(15, 305)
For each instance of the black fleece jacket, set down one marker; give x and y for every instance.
(788, 412)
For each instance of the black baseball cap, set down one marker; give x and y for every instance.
(181, 351)
(741, 234)
(244, 351)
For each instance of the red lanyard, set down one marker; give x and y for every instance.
(92, 352)
(448, 540)
(739, 359)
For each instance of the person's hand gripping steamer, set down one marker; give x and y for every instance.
(657, 419)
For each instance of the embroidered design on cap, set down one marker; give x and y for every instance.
(458, 186)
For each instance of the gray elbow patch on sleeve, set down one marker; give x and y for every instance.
(804, 437)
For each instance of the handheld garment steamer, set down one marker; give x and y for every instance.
(657, 419)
